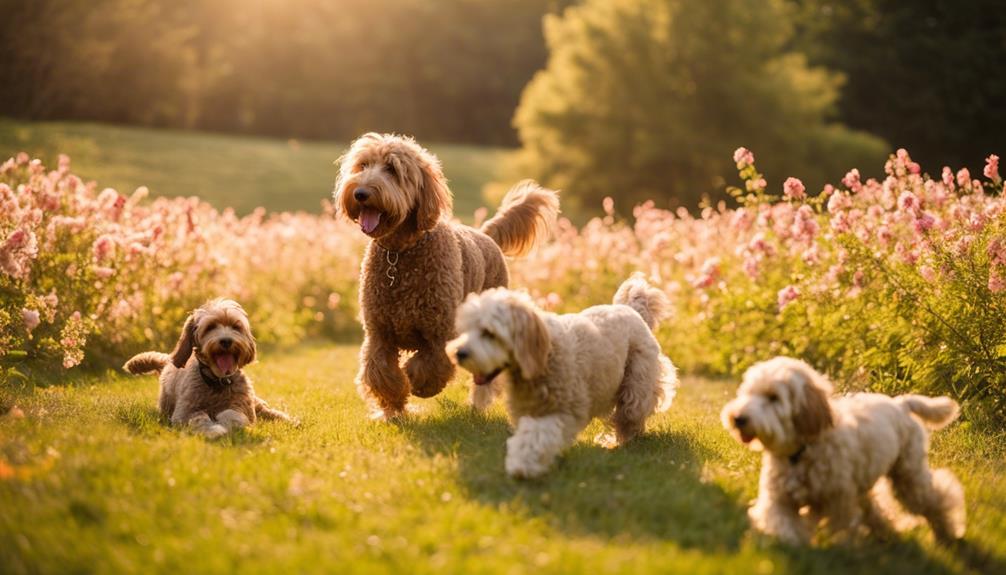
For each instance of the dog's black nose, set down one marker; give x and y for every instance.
(226, 343)
(361, 194)
(461, 354)
(740, 421)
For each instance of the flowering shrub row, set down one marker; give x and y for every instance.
(95, 273)
(890, 284)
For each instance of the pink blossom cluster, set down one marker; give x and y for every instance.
(784, 257)
(96, 270)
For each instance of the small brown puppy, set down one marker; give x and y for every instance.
(420, 265)
(202, 384)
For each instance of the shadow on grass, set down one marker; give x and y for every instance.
(652, 487)
(900, 556)
(145, 420)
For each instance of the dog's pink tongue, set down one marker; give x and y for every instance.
(225, 363)
(479, 379)
(369, 218)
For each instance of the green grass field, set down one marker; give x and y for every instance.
(91, 481)
(228, 171)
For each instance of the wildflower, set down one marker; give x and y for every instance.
(103, 247)
(787, 295)
(963, 177)
(709, 273)
(31, 319)
(851, 180)
(908, 202)
(992, 168)
(996, 282)
(743, 158)
(793, 189)
(948, 177)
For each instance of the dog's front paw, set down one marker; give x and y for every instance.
(214, 431)
(522, 462)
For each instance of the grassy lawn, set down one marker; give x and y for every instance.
(227, 171)
(91, 481)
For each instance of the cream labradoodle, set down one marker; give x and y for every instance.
(560, 371)
(202, 382)
(834, 459)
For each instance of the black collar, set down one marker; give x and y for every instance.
(215, 383)
(795, 458)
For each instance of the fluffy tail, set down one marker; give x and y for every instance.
(525, 218)
(649, 302)
(668, 384)
(935, 412)
(147, 362)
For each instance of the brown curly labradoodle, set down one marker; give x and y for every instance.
(202, 382)
(419, 265)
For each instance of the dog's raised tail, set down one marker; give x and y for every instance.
(649, 302)
(147, 362)
(525, 218)
(935, 412)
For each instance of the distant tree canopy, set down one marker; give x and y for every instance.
(640, 98)
(927, 75)
(448, 70)
(649, 98)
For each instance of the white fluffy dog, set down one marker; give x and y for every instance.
(560, 371)
(823, 457)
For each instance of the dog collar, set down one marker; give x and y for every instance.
(216, 383)
(391, 256)
(795, 457)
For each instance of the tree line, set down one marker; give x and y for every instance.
(811, 85)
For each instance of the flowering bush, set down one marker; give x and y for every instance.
(87, 273)
(890, 284)
(893, 285)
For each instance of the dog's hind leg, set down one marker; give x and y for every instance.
(936, 495)
(381, 380)
(639, 392)
(429, 370)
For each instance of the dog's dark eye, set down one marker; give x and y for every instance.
(772, 397)
(390, 168)
(362, 166)
(488, 334)
(211, 326)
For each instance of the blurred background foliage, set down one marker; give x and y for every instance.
(633, 99)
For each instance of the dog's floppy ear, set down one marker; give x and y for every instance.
(434, 195)
(529, 340)
(183, 349)
(813, 412)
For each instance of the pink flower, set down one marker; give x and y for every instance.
(709, 274)
(963, 177)
(851, 180)
(793, 189)
(609, 205)
(31, 319)
(103, 247)
(924, 223)
(927, 273)
(992, 167)
(996, 282)
(787, 295)
(908, 202)
(948, 177)
(743, 157)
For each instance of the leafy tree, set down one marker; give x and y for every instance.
(926, 74)
(649, 98)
